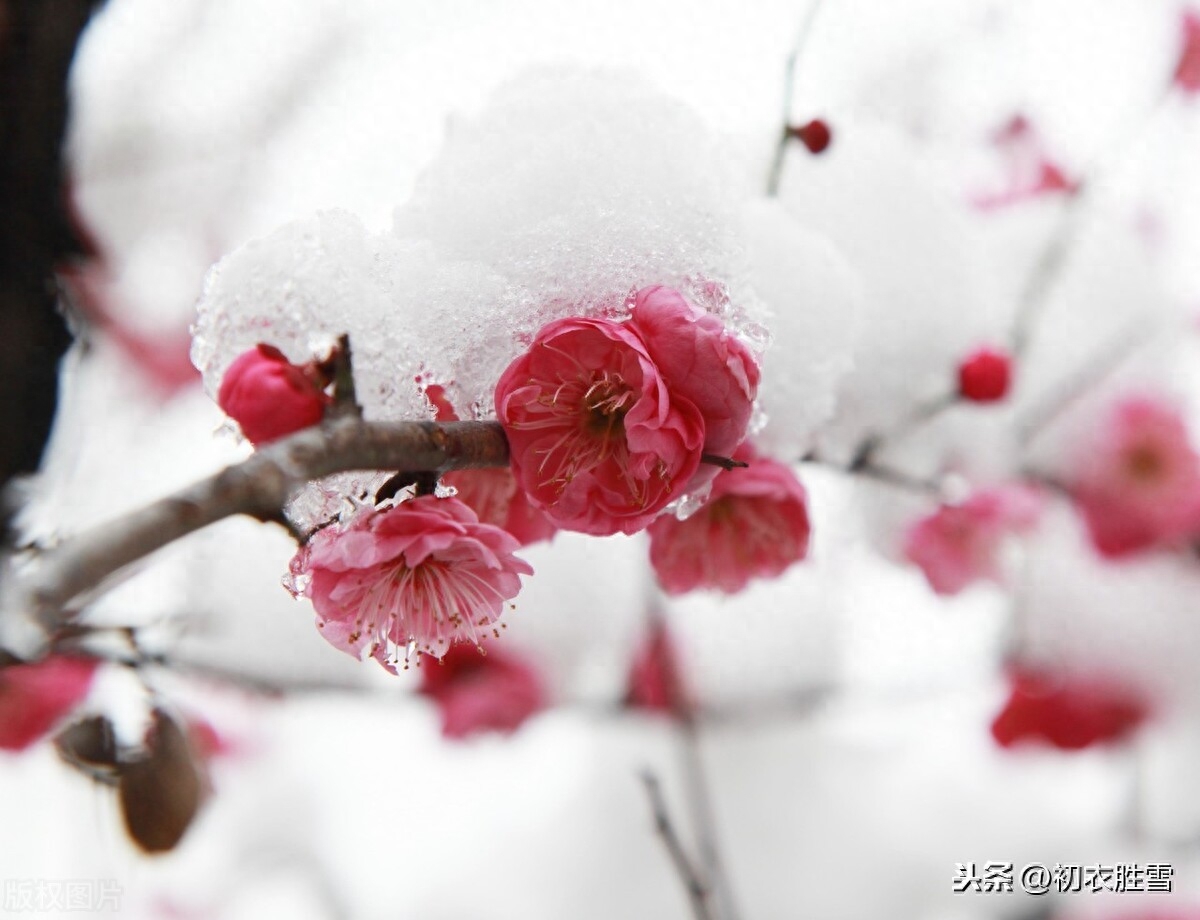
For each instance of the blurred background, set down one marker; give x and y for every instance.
(845, 707)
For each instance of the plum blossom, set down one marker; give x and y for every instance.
(1032, 172)
(755, 524)
(1067, 711)
(701, 361)
(1137, 481)
(424, 572)
(1187, 70)
(655, 679)
(599, 440)
(477, 692)
(492, 493)
(985, 375)
(960, 544)
(35, 697)
(268, 396)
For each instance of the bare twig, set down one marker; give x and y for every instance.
(259, 486)
(693, 884)
(789, 89)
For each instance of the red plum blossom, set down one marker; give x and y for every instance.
(268, 396)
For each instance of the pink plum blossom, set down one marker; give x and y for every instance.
(1031, 171)
(477, 692)
(599, 440)
(702, 362)
(1187, 70)
(655, 679)
(269, 397)
(1067, 711)
(425, 572)
(35, 697)
(754, 525)
(960, 544)
(1137, 481)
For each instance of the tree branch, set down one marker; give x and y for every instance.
(697, 891)
(259, 486)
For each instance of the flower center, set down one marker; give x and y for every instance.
(1144, 463)
(605, 405)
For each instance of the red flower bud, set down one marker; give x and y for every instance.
(268, 396)
(815, 135)
(985, 375)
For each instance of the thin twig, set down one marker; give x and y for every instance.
(695, 887)
(789, 89)
(1042, 415)
(259, 486)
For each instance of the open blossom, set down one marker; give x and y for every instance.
(425, 571)
(268, 396)
(599, 440)
(1137, 482)
(1067, 711)
(961, 544)
(35, 697)
(477, 692)
(701, 361)
(492, 493)
(754, 525)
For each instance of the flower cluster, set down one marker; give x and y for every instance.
(608, 421)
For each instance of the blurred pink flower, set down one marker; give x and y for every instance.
(701, 362)
(492, 494)
(425, 571)
(1187, 70)
(985, 375)
(754, 525)
(1068, 712)
(268, 396)
(599, 440)
(1031, 171)
(35, 697)
(655, 678)
(478, 692)
(1137, 482)
(960, 544)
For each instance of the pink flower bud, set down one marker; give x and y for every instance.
(655, 677)
(268, 397)
(477, 692)
(985, 375)
(34, 697)
(754, 525)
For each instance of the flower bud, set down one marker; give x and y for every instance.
(268, 396)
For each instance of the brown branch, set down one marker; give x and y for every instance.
(259, 486)
(697, 890)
